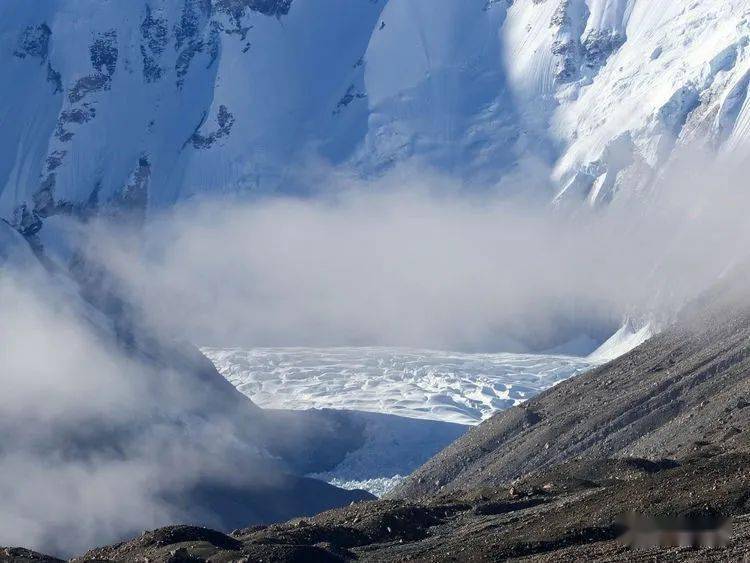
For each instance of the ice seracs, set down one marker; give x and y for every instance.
(427, 384)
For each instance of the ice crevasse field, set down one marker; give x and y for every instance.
(445, 386)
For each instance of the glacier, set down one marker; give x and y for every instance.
(411, 402)
(463, 388)
(113, 106)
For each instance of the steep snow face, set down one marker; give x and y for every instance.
(436, 88)
(15, 251)
(627, 338)
(676, 74)
(127, 105)
(138, 103)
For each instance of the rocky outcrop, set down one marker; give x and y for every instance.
(224, 123)
(34, 42)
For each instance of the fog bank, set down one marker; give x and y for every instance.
(407, 260)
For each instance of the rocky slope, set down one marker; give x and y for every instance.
(572, 513)
(684, 390)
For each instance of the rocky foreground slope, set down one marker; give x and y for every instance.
(661, 432)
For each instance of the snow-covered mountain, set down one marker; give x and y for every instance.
(145, 102)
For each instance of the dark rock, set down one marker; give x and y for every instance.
(54, 78)
(237, 9)
(20, 555)
(348, 98)
(154, 36)
(104, 52)
(87, 85)
(224, 120)
(34, 42)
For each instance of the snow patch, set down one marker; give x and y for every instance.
(378, 487)
(628, 337)
(393, 446)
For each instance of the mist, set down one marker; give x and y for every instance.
(97, 438)
(408, 260)
(97, 442)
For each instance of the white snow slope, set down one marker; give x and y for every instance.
(145, 102)
(445, 386)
